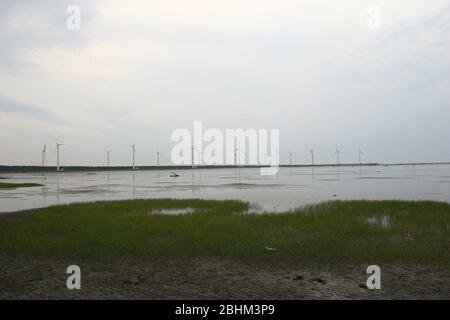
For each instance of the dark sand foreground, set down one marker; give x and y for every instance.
(33, 279)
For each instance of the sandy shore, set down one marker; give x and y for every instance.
(33, 279)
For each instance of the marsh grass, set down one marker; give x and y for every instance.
(337, 232)
(4, 185)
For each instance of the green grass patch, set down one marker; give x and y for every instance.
(337, 232)
(4, 185)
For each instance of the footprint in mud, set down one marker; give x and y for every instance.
(135, 280)
(319, 280)
(363, 286)
(132, 281)
(298, 278)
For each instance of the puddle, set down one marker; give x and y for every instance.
(383, 221)
(84, 191)
(173, 211)
(250, 185)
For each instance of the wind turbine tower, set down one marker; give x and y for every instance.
(200, 155)
(312, 156)
(158, 154)
(290, 158)
(57, 155)
(360, 153)
(133, 149)
(43, 155)
(192, 156)
(107, 158)
(239, 156)
(338, 153)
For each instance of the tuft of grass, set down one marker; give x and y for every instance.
(4, 185)
(337, 232)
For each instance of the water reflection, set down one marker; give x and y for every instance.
(57, 188)
(291, 187)
(44, 187)
(134, 185)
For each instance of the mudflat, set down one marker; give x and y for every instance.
(220, 250)
(22, 278)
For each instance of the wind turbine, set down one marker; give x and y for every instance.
(192, 156)
(337, 153)
(43, 155)
(290, 158)
(57, 155)
(158, 154)
(360, 153)
(235, 151)
(312, 156)
(200, 153)
(235, 156)
(107, 157)
(278, 162)
(133, 147)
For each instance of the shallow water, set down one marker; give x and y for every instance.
(291, 188)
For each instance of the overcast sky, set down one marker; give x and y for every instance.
(138, 69)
